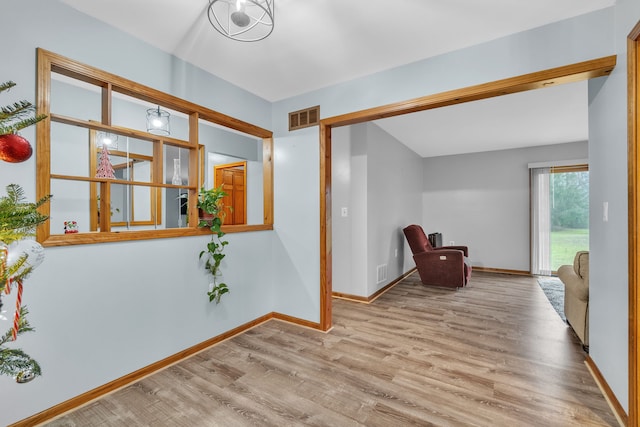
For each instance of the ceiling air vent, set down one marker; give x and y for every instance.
(304, 118)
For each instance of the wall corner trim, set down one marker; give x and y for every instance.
(611, 399)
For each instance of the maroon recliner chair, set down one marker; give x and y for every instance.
(444, 266)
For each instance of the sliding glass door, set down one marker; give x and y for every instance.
(559, 216)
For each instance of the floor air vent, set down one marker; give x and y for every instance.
(381, 273)
(304, 118)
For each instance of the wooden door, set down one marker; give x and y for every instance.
(233, 178)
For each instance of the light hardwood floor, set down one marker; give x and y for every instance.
(492, 354)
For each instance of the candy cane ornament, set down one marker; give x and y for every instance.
(16, 317)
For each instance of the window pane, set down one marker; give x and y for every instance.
(132, 113)
(226, 147)
(133, 205)
(70, 202)
(133, 160)
(176, 165)
(75, 98)
(569, 216)
(69, 150)
(176, 208)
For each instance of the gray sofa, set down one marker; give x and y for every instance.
(576, 294)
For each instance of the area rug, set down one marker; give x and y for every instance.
(554, 290)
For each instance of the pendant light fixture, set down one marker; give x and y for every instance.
(242, 20)
(107, 139)
(158, 121)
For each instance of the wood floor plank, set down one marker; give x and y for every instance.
(492, 354)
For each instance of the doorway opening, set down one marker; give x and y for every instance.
(233, 179)
(537, 80)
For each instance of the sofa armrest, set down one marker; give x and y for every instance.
(581, 264)
(573, 284)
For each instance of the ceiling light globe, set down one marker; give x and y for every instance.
(240, 19)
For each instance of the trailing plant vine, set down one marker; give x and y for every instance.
(213, 213)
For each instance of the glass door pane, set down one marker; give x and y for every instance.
(569, 206)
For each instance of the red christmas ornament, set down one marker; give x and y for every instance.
(14, 148)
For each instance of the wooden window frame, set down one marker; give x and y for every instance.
(48, 63)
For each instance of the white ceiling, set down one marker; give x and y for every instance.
(318, 43)
(553, 115)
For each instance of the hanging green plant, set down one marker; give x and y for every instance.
(212, 213)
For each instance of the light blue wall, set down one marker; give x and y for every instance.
(608, 275)
(379, 181)
(101, 313)
(296, 247)
(393, 201)
(566, 42)
(348, 234)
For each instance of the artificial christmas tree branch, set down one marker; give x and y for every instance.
(13, 361)
(17, 116)
(18, 219)
(23, 327)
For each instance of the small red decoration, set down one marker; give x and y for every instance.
(70, 227)
(14, 148)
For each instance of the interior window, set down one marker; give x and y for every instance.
(124, 161)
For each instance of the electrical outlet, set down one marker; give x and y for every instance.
(345, 212)
(395, 253)
(451, 243)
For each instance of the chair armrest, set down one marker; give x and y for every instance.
(464, 249)
(436, 256)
